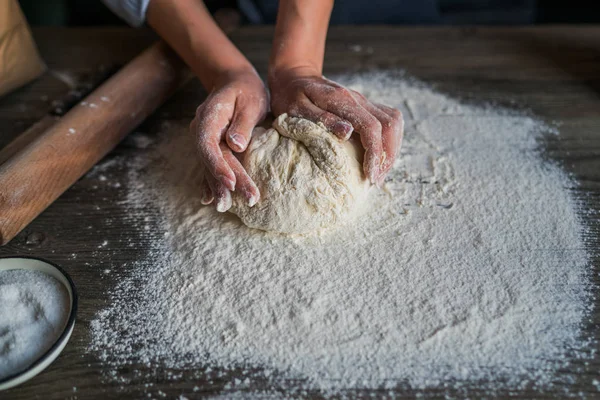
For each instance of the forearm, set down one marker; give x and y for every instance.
(189, 28)
(300, 34)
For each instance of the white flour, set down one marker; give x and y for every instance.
(34, 308)
(469, 268)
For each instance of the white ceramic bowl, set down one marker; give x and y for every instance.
(35, 264)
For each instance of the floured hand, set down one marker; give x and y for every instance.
(223, 124)
(302, 92)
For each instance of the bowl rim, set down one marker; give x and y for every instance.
(65, 334)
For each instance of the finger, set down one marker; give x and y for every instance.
(398, 118)
(334, 124)
(390, 136)
(222, 196)
(392, 130)
(206, 193)
(246, 116)
(208, 129)
(341, 103)
(244, 184)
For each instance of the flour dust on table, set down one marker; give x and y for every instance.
(469, 268)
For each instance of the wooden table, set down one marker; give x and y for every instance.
(552, 71)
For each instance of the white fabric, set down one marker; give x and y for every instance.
(132, 11)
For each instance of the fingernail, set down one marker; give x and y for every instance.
(238, 140)
(224, 203)
(228, 182)
(344, 128)
(206, 198)
(253, 200)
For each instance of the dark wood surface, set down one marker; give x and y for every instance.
(552, 71)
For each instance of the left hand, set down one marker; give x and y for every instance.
(223, 125)
(304, 92)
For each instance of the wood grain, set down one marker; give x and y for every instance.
(554, 72)
(34, 174)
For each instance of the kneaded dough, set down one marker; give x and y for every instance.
(308, 179)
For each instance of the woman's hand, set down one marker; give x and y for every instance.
(237, 98)
(223, 124)
(298, 87)
(304, 92)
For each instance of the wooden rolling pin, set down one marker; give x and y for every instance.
(38, 173)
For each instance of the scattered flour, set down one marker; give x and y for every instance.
(140, 140)
(34, 308)
(470, 267)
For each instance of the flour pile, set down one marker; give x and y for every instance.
(34, 308)
(468, 267)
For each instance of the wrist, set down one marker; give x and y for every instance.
(289, 71)
(299, 39)
(225, 75)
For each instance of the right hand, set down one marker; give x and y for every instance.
(304, 92)
(223, 124)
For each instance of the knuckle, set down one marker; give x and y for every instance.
(341, 91)
(373, 125)
(298, 97)
(358, 95)
(386, 121)
(328, 89)
(396, 114)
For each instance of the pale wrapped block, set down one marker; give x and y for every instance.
(20, 61)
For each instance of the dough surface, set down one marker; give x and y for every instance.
(308, 179)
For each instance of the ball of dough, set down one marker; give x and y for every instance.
(308, 178)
